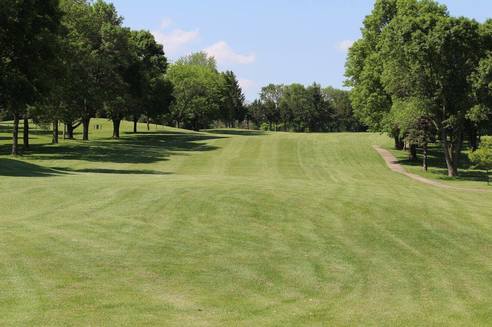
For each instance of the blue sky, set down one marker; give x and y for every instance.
(269, 41)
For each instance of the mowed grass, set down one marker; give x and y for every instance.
(175, 228)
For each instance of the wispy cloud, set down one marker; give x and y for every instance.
(246, 84)
(344, 45)
(175, 39)
(166, 22)
(223, 53)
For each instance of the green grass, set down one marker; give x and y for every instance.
(230, 228)
(469, 176)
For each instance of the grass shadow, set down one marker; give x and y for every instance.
(237, 132)
(112, 171)
(137, 148)
(437, 164)
(18, 168)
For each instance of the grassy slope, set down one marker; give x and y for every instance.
(182, 228)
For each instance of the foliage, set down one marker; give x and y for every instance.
(232, 108)
(197, 92)
(298, 108)
(482, 157)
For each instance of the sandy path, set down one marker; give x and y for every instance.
(393, 164)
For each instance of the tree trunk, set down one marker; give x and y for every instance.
(135, 122)
(399, 144)
(15, 136)
(26, 133)
(451, 161)
(116, 128)
(424, 160)
(85, 126)
(69, 131)
(148, 124)
(473, 138)
(413, 152)
(55, 132)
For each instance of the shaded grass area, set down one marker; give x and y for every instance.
(176, 228)
(438, 168)
(238, 132)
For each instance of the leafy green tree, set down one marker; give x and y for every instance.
(482, 157)
(321, 110)
(364, 69)
(255, 113)
(146, 78)
(197, 92)
(118, 56)
(343, 118)
(431, 56)
(198, 59)
(232, 108)
(28, 32)
(270, 97)
(84, 61)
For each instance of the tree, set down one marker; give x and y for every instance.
(198, 59)
(431, 56)
(255, 113)
(233, 104)
(148, 88)
(364, 69)
(84, 61)
(197, 91)
(270, 96)
(28, 32)
(482, 157)
(343, 118)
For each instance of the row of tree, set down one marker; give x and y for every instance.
(303, 109)
(72, 60)
(423, 76)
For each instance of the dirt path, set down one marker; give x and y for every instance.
(393, 164)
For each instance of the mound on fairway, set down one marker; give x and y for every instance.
(170, 227)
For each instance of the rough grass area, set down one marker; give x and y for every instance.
(170, 227)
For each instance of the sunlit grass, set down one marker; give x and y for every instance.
(170, 227)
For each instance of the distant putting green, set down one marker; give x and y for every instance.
(227, 227)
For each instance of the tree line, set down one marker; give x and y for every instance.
(69, 61)
(423, 76)
(298, 108)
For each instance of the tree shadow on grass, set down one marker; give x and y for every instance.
(112, 171)
(17, 168)
(437, 163)
(139, 148)
(237, 132)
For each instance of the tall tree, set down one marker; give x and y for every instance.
(28, 33)
(149, 90)
(431, 57)
(370, 100)
(270, 97)
(233, 101)
(197, 91)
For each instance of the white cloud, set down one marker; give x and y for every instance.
(223, 53)
(344, 45)
(246, 84)
(166, 22)
(175, 39)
